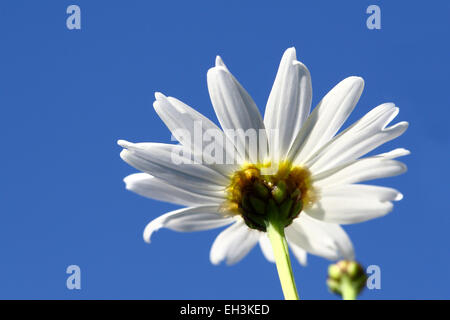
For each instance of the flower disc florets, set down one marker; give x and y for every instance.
(258, 196)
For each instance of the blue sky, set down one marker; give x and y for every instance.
(66, 96)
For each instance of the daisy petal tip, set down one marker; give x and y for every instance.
(128, 181)
(388, 105)
(124, 155)
(355, 81)
(149, 230)
(147, 235)
(212, 72)
(219, 62)
(124, 144)
(395, 110)
(218, 71)
(299, 64)
(156, 105)
(359, 80)
(400, 127)
(304, 263)
(396, 153)
(147, 239)
(291, 52)
(214, 260)
(301, 68)
(159, 96)
(398, 197)
(403, 152)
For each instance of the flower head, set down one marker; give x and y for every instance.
(251, 193)
(291, 163)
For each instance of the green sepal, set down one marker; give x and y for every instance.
(260, 189)
(296, 209)
(279, 192)
(258, 205)
(285, 209)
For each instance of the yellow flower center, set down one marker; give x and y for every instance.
(256, 191)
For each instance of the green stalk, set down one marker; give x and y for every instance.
(275, 232)
(349, 292)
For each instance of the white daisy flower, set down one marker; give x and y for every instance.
(307, 182)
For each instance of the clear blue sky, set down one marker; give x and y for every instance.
(67, 96)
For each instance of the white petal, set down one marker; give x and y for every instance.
(189, 128)
(326, 119)
(266, 247)
(379, 166)
(299, 253)
(154, 188)
(187, 220)
(353, 203)
(236, 112)
(288, 104)
(233, 243)
(362, 190)
(327, 240)
(160, 160)
(365, 135)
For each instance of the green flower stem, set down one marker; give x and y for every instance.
(348, 289)
(275, 231)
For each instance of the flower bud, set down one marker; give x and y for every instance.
(334, 272)
(346, 278)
